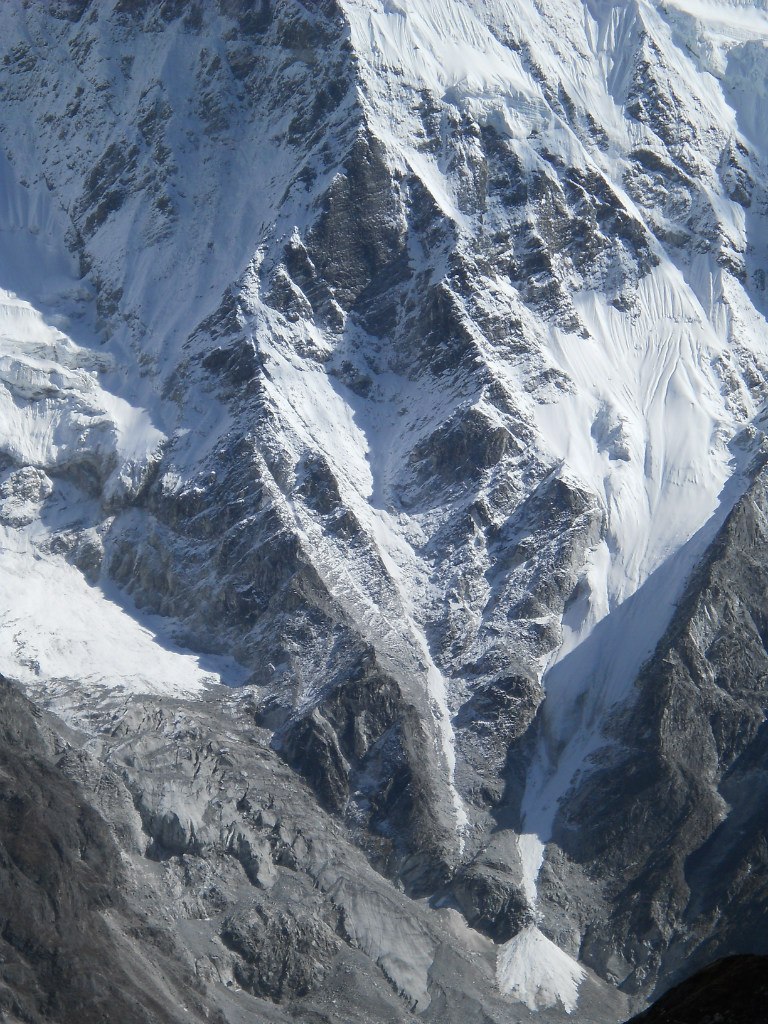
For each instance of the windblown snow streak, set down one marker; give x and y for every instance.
(399, 365)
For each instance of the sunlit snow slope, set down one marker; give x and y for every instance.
(64, 433)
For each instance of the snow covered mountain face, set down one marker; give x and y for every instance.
(400, 366)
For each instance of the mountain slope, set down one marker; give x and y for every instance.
(730, 990)
(64, 908)
(399, 364)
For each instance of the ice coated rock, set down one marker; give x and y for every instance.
(401, 366)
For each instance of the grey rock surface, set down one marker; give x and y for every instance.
(727, 992)
(669, 828)
(76, 942)
(189, 858)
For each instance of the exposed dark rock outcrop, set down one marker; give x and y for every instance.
(731, 991)
(72, 947)
(674, 823)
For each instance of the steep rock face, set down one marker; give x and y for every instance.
(185, 858)
(64, 907)
(388, 357)
(731, 990)
(683, 871)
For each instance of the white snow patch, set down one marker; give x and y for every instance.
(747, 18)
(438, 691)
(646, 429)
(535, 971)
(531, 851)
(440, 46)
(396, 553)
(137, 436)
(445, 48)
(59, 633)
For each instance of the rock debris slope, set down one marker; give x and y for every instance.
(401, 367)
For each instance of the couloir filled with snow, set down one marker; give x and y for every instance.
(649, 422)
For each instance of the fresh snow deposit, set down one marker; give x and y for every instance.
(535, 971)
